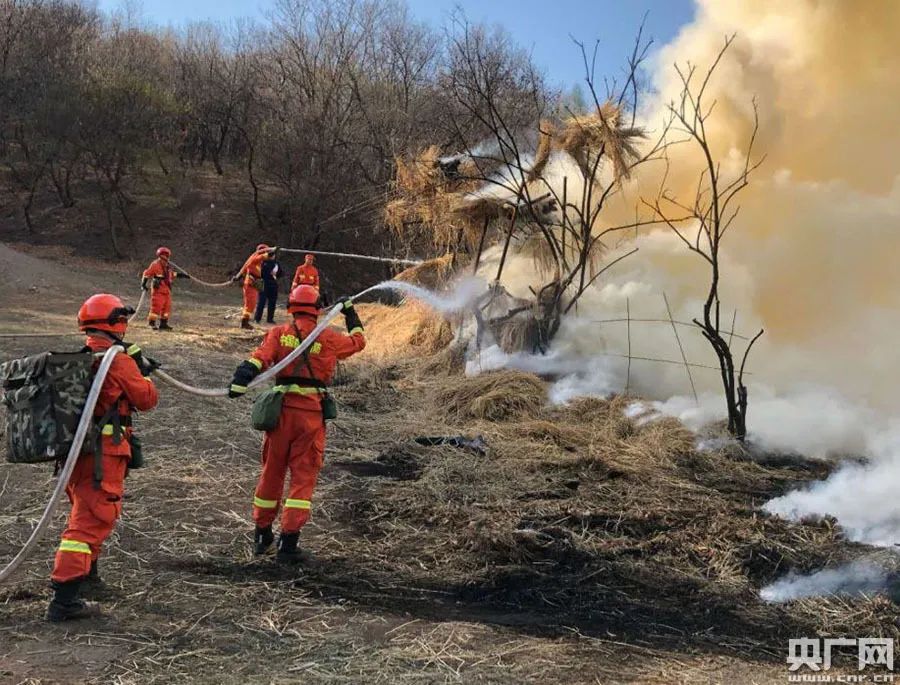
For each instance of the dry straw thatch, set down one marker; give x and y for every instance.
(433, 274)
(584, 136)
(428, 201)
(494, 396)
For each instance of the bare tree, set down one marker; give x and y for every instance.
(711, 215)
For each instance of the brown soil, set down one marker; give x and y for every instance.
(582, 548)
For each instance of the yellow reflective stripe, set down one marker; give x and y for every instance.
(74, 546)
(238, 388)
(356, 330)
(258, 364)
(297, 504)
(264, 503)
(108, 429)
(299, 389)
(133, 350)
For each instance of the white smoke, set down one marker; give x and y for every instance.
(811, 258)
(852, 579)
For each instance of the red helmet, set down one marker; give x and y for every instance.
(262, 247)
(304, 299)
(104, 313)
(164, 252)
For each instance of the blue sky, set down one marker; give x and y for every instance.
(539, 26)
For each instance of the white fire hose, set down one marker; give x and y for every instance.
(266, 375)
(84, 424)
(91, 402)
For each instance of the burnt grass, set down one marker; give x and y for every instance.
(582, 547)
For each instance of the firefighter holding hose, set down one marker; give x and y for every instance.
(97, 483)
(158, 278)
(296, 440)
(251, 273)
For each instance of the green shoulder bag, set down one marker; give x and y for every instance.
(267, 409)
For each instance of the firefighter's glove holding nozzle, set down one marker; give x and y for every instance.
(145, 283)
(244, 373)
(147, 365)
(351, 318)
(236, 278)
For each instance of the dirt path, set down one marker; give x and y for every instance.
(408, 582)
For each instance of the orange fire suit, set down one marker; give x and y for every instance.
(95, 510)
(306, 274)
(252, 272)
(161, 299)
(298, 441)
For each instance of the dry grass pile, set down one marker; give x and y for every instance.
(494, 396)
(433, 274)
(409, 330)
(427, 201)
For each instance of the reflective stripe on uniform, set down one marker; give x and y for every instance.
(299, 389)
(241, 389)
(74, 546)
(264, 503)
(108, 429)
(297, 504)
(356, 330)
(258, 364)
(133, 350)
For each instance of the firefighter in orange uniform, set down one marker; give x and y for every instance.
(95, 488)
(306, 273)
(297, 444)
(251, 272)
(159, 277)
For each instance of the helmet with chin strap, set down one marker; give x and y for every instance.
(304, 299)
(104, 312)
(164, 252)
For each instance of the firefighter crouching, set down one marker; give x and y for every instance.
(97, 483)
(158, 278)
(297, 442)
(251, 273)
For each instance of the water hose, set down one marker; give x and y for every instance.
(198, 280)
(371, 258)
(137, 309)
(267, 374)
(87, 417)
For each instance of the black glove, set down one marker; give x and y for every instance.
(145, 283)
(236, 278)
(351, 318)
(183, 275)
(147, 365)
(243, 374)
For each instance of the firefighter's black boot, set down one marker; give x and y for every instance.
(287, 548)
(245, 323)
(92, 585)
(152, 324)
(263, 539)
(66, 605)
(164, 325)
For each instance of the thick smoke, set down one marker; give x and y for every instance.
(811, 258)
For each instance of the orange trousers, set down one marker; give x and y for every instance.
(160, 304)
(297, 444)
(93, 516)
(251, 296)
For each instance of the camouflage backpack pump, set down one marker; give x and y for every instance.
(44, 396)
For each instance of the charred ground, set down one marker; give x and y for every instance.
(584, 547)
